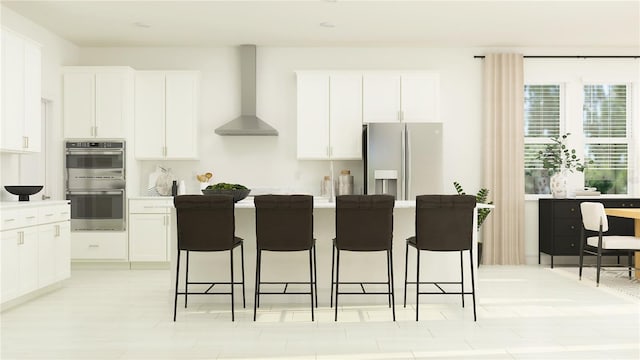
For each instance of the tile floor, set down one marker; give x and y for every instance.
(525, 312)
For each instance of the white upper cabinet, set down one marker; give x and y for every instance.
(97, 102)
(401, 97)
(329, 115)
(21, 94)
(166, 115)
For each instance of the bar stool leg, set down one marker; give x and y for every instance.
(333, 256)
(315, 274)
(406, 265)
(186, 282)
(311, 280)
(417, 284)
(244, 303)
(256, 296)
(337, 282)
(462, 279)
(175, 297)
(473, 284)
(388, 279)
(232, 286)
(393, 300)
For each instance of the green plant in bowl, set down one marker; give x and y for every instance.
(238, 191)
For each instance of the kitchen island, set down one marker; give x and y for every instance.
(293, 266)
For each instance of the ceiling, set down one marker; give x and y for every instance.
(353, 23)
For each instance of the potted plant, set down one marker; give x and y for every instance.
(558, 159)
(481, 197)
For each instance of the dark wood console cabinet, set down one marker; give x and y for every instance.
(560, 223)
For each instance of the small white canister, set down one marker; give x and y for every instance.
(345, 183)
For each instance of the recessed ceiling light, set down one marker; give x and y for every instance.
(327, 24)
(140, 24)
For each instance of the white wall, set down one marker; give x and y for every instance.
(271, 161)
(22, 169)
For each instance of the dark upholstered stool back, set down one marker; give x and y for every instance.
(444, 222)
(364, 222)
(284, 222)
(205, 222)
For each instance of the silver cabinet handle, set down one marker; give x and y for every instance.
(48, 214)
(31, 217)
(7, 220)
(94, 245)
(57, 230)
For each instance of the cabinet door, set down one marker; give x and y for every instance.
(420, 100)
(79, 104)
(149, 115)
(313, 116)
(46, 254)
(62, 251)
(380, 98)
(109, 100)
(32, 97)
(9, 242)
(345, 114)
(181, 116)
(28, 260)
(148, 237)
(12, 92)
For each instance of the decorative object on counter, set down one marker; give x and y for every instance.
(164, 181)
(23, 191)
(325, 186)
(182, 188)
(204, 179)
(481, 198)
(558, 160)
(345, 183)
(174, 188)
(603, 186)
(238, 191)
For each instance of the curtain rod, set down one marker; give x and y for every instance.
(572, 56)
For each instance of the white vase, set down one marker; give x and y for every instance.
(559, 185)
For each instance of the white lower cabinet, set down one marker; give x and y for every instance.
(35, 248)
(149, 229)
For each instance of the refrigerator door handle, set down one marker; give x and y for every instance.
(407, 165)
(403, 163)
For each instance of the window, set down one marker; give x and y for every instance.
(541, 121)
(605, 123)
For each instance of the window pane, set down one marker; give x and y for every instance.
(541, 111)
(605, 111)
(536, 178)
(608, 172)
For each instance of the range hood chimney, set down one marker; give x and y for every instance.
(247, 123)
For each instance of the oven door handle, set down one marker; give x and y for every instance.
(106, 192)
(97, 152)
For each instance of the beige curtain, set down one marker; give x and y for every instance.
(503, 234)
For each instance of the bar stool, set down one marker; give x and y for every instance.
(363, 223)
(206, 224)
(443, 223)
(285, 223)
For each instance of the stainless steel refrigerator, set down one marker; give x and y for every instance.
(403, 160)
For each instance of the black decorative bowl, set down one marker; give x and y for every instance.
(238, 194)
(23, 191)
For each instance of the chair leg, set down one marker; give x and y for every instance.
(311, 280)
(244, 302)
(232, 286)
(315, 274)
(473, 284)
(462, 279)
(337, 282)
(629, 261)
(598, 265)
(175, 297)
(581, 254)
(256, 292)
(406, 265)
(186, 282)
(333, 256)
(388, 279)
(393, 299)
(417, 283)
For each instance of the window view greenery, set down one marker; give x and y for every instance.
(604, 124)
(541, 122)
(603, 129)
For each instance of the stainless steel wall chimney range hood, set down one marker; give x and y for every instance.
(247, 123)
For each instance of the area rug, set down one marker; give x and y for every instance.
(610, 279)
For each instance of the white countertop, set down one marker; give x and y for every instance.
(26, 204)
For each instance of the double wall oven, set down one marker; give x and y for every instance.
(95, 184)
